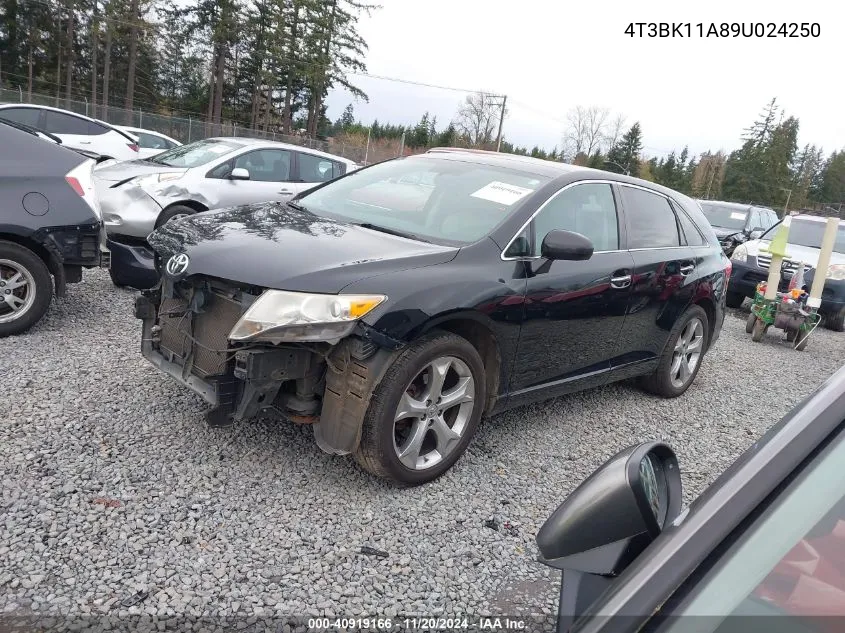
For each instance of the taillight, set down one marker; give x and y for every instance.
(75, 185)
(133, 146)
(728, 269)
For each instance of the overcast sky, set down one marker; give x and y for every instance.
(548, 56)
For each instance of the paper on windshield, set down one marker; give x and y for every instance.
(219, 149)
(738, 216)
(501, 193)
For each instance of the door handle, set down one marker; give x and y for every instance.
(686, 269)
(622, 281)
(285, 191)
(84, 142)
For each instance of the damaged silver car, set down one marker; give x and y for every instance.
(141, 195)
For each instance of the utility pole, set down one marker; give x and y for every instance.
(786, 206)
(501, 123)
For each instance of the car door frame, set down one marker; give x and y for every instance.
(719, 513)
(247, 149)
(554, 388)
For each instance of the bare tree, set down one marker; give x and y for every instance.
(478, 118)
(615, 130)
(587, 128)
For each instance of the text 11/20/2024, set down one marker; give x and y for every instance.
(724, 29)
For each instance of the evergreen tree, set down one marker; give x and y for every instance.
(624, 156)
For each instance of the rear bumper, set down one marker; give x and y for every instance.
(77, 245)
(745, 277)
(132, 264)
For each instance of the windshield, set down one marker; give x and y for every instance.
(724, 217)
(195, 154)
(809, 233)
(436, 199)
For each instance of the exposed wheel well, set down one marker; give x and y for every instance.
(35, 247)
(483, 340)
(710, 309)
(193, 204)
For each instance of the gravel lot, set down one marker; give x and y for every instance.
(112, 484)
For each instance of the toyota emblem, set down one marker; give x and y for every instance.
(177, 264)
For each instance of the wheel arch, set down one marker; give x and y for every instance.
(709, 307)
(473, 327)
(192, 204)
(54, 265)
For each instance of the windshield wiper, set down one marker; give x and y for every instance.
(383, 229)
(295, 205)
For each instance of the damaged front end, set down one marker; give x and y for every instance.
(209, 335)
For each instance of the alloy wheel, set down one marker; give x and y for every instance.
(433, 413)
(17, 290)
(687, 353)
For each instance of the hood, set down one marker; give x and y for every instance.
(273, 245)
(807, 254)
(123, 170)
(722, 232)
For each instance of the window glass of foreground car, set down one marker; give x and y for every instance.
(195, 154)
(790, 561)
(436, 199)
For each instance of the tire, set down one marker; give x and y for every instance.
(33, 288)
(801, 340)
(171, 212)
(759, 331)
(666, 381)
(734, 299)
(835, 321)
(791, 335)
(383, 437)
(749, 323)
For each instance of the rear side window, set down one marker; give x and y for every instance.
(150, 141)
(95, 129)
(24, 116)
(60, 123)
(651, 221)
(688, 228)
(316, 168)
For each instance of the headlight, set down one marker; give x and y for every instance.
(740, 253)
(836, 271)
(278, 316)
(154, 179)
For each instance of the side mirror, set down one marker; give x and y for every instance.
(615, 513)
(566, 245)
(239, 173)
(756, 234)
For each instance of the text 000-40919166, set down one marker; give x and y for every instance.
(723, 29)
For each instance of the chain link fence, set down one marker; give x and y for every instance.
(189, 129)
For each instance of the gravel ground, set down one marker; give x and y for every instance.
(113, 485)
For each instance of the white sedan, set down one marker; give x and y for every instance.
(75, 130)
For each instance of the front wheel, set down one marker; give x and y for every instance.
(681, 358)
(425, 410)
(759, 331)
(176, 211)
(26, 289)
(749, 323)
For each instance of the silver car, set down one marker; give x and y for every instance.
(138, 196)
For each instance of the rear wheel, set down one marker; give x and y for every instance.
(749, 323)
(176, 211)
(26, 289)
(734, 299)
(835, 320)
(681, 358)
(425, 410)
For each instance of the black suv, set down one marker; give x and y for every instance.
(393, 307)
(736, 223)
(50, 227)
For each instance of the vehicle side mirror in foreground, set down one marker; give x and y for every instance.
(566, 245)
(239, 173)
(608, 521)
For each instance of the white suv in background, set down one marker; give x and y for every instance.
(75, 130)
(149, 142)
